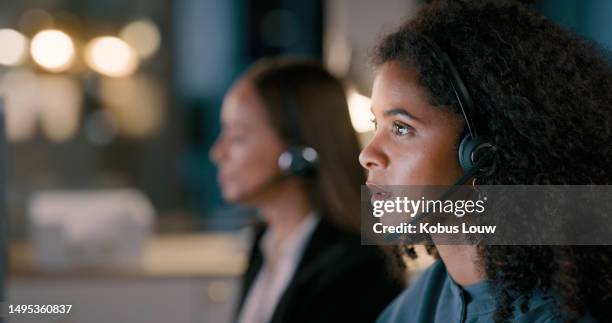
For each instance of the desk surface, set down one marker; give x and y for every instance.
(165, 256)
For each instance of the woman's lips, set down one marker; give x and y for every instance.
(223, 178)
(378, 192)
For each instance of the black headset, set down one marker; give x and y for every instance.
(298, 159)
(475, 153)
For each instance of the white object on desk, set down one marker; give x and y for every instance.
(80, 229)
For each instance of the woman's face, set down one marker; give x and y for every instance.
(415, 143)
(247, 150)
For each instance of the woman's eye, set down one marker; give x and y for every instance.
(373, 121)
(237, 138)
(400, 129)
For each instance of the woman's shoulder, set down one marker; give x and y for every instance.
(542, 309)
(342, 244)
(421, 302)
(423, 292)
(345, 252)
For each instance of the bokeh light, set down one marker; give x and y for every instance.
(17, 86)
(111, 56)
(53, 50)
(14, 47)
(359, 110)
(60, 106)
(136, 103)
(143, 36)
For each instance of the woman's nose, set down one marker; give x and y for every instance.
(216, 151)
(372, 157)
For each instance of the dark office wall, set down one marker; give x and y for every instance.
(590, 18)
(284, 27)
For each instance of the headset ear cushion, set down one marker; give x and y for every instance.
(471, 150)
(298, 161)
(466, 150)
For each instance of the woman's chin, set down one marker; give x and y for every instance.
(242, 197)
(230, 196)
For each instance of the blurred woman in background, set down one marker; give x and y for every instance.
(287, 148)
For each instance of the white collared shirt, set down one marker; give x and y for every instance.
(275, 274)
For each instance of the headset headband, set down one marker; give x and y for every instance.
(293, 129)
(459, 89)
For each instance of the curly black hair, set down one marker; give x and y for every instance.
(543, 96)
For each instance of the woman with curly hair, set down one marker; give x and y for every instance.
(543, 98)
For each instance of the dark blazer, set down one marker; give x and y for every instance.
(337, 280)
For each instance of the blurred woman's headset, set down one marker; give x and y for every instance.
(298, 159)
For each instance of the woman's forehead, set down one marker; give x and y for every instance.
(397, 86)
(243, 104)
(398, 83)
